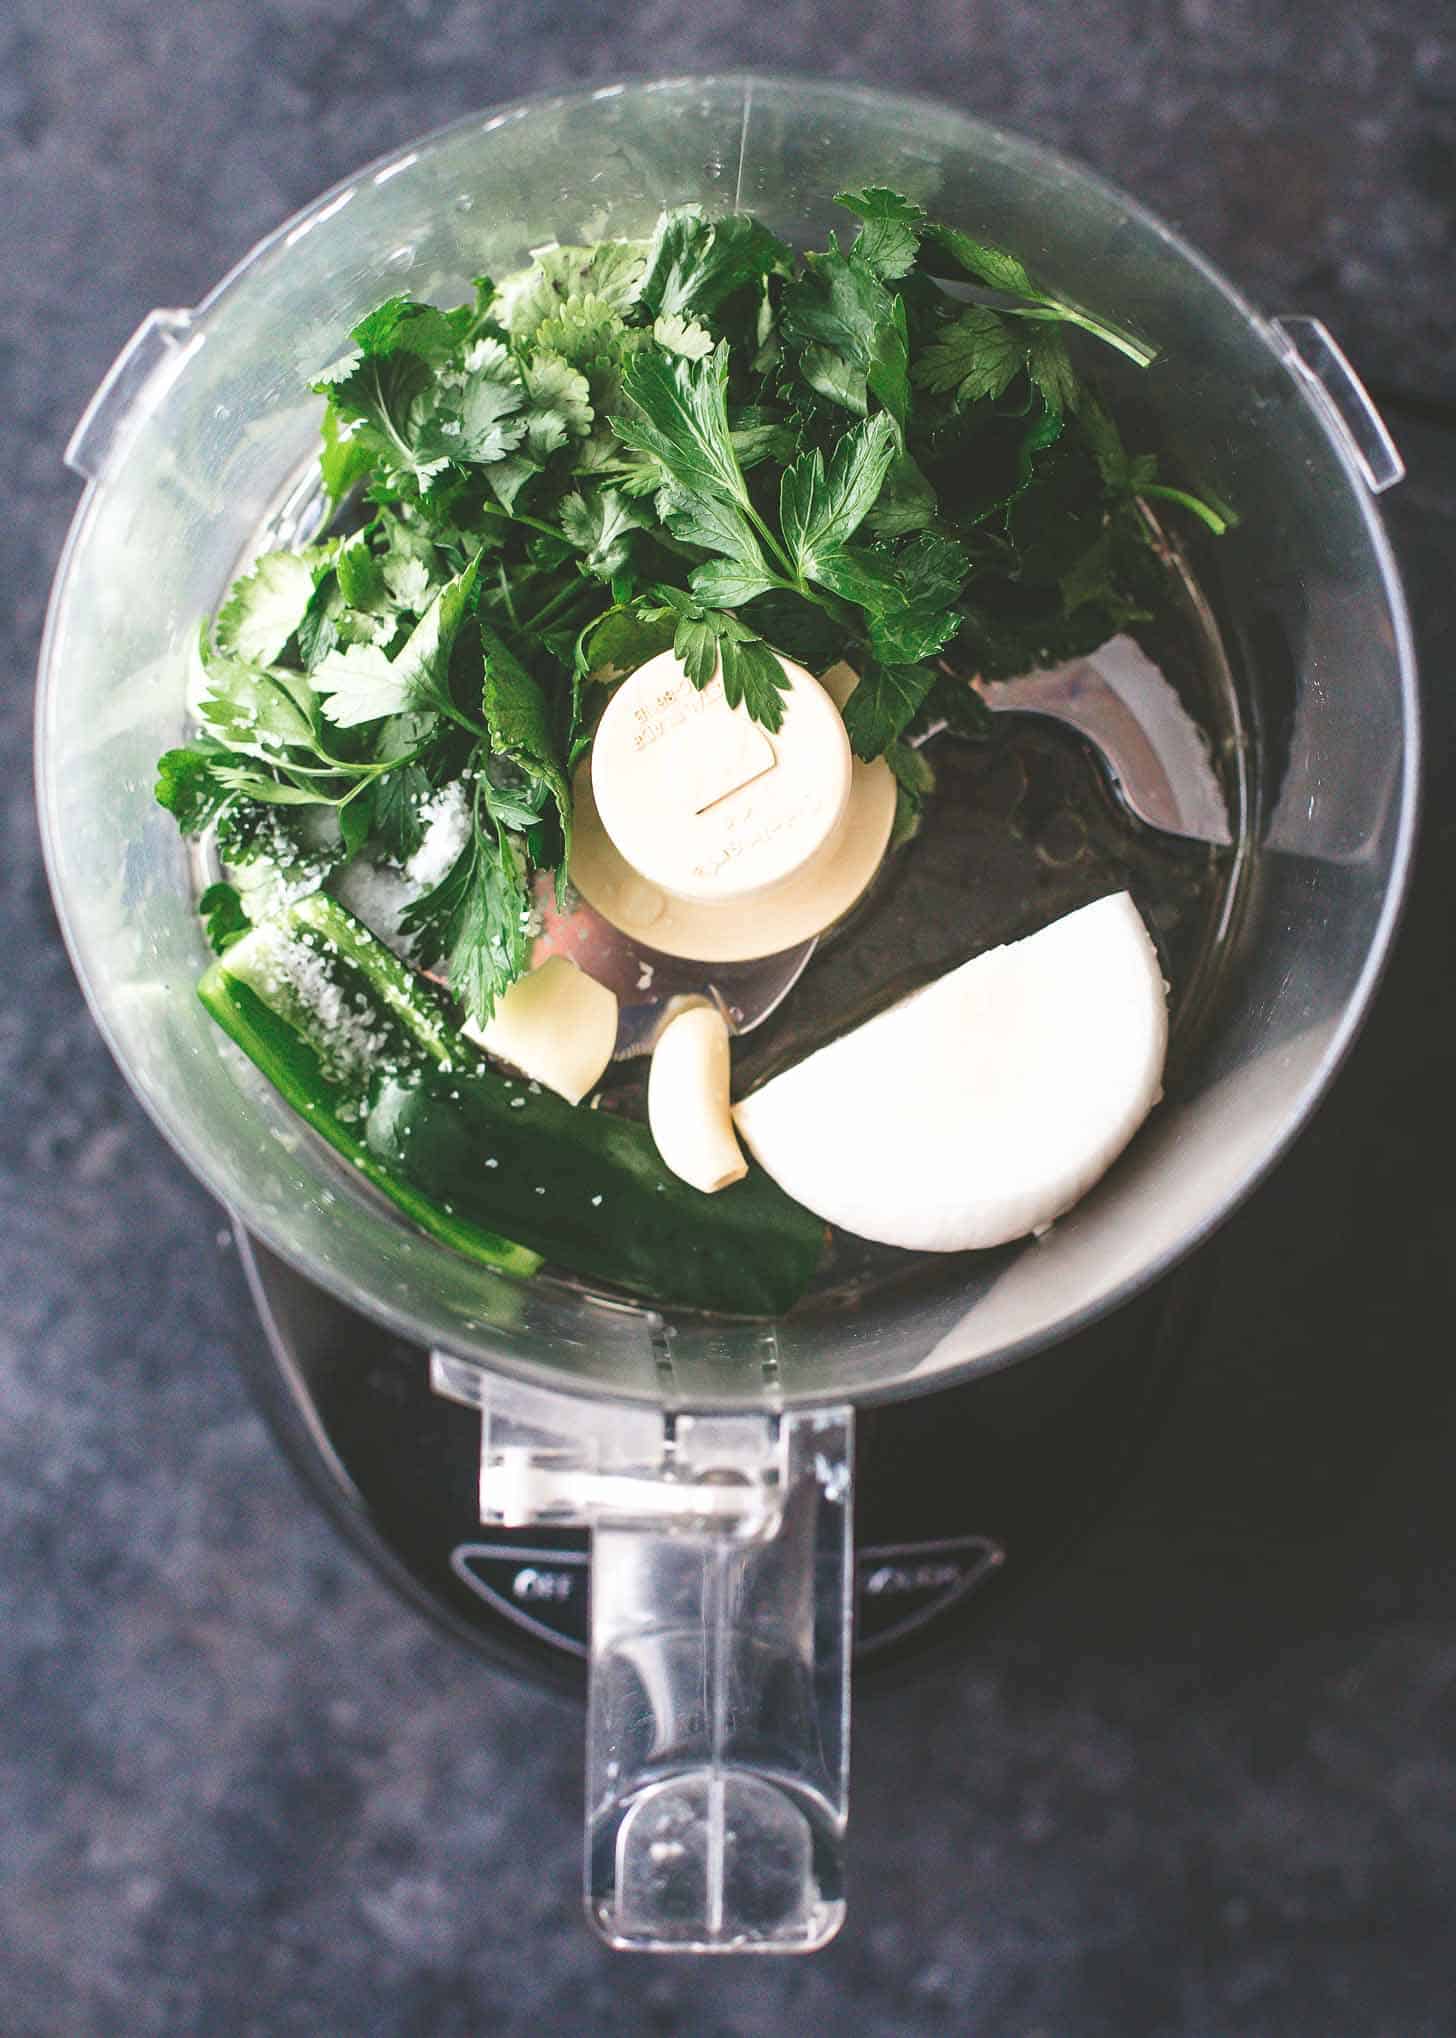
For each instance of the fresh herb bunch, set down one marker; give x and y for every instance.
(881, 453)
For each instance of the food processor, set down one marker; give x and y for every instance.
(495, 1442)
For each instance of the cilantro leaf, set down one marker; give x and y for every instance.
(260, 710)
(364, 685)
(346, 455)
(361, 582)
(558, 400)
(265, 607)
(409, 566)
(386, 384)
(609, 271)
(223, 917)
(884, 701)
(398, 326)
(600, 526)
(389, 397)
(682, 336)
(188, 785)
(473, 418)
(694, 263)
(819, 509)
(591, 336)
(890, 236)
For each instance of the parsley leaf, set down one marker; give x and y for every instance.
(988, 264)
(928, 576)
(706, 640)
(678, 412)
(753, 677)
(1050, 368)
(261, 710)
(975, 355)
(914, 783)
(728, 583)
(694, 263)
(1125, 476)
(624, 637)
(819, 509)
(885, 699)
(1000, 271)
(852, 333)
(890, 236)
(519, 721)
(474, 920)
(573, 428)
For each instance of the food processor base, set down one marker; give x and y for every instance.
(960, 1495)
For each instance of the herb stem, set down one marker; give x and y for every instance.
(563, 598)
(1216, 522)
(1053, 310)
(491, 509)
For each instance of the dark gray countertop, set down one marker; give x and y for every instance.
(1200, 1780)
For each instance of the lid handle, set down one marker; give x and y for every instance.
(1322, 365)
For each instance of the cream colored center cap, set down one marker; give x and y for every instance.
(705, 802)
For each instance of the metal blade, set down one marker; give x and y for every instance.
(1122, 704)
(646, 981)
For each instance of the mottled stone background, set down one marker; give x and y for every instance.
(1198, 1781)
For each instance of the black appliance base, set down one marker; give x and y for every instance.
(961, 1494)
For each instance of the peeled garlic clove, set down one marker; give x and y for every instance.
(556, 1025)
(687, 1101)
